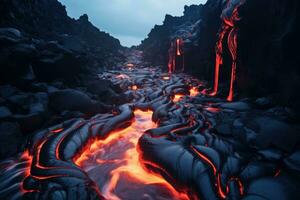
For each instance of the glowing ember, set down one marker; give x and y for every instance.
(114, 164)
(134, 87)
(178, 97)
(194, 91)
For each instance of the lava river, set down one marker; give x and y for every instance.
(114, 165)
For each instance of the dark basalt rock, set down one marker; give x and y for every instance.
(268, 188)
(4, 112)
(267, 46)
(293, 161)
(53, 47)
(74, 100)
(10, 139)
(271, 132)
(237, 106)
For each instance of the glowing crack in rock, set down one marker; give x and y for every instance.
(114, 164)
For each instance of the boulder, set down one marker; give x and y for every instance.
(43, 87)
(238, 106)
(106, 91)
(30, 122)
(10, 139)
(7, 90)
(4, 112)
(9, 36)
(74, 100)
(293, 161)
(272, 132)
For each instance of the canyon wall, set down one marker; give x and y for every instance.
(267, 43)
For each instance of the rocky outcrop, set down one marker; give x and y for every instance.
(267, 43)
(39, 40)
(197, 28)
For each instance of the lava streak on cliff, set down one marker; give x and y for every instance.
(176, 57)
(115, 165)
(229, 16)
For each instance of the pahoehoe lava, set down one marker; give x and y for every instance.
(161, 145)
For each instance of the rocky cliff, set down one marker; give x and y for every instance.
(266, 51)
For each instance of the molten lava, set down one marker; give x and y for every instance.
(178, 97)
(176, 57)
(228, 28)
(194, 92)
(134, 87)
(114, 164)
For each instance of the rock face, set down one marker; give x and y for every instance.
(198, 28)
(267, 42)
(39, 40)
(48, 69)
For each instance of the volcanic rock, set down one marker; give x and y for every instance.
(74, 100)
(10, 139)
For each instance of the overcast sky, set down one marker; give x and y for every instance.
(128, 20)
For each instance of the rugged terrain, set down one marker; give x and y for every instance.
(267, 43)
(205, 108)
(170, 141)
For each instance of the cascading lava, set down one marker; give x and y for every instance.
(176, 56)
(230, 17)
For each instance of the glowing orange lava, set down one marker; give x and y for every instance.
(194, 91)
(120, 174)
(178, 97)
(228, 27)
(134, 87)
(28, 158)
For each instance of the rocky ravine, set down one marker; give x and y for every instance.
(197, 147)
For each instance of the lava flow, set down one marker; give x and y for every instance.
(114, 164)
(228, 28)
(176, 57)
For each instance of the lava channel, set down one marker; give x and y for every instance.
(114, 165)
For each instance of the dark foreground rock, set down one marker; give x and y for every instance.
(11, 140)
(73, 100)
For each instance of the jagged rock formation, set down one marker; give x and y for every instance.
(267, 42)
(53, 44)
(198, 28)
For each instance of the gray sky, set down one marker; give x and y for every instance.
(128, 20)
